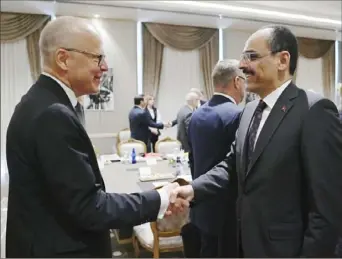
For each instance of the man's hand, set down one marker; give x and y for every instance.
(167, 125)
(180, 198)
(154, 131)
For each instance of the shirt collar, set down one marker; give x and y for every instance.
(272, 98)
(225, 95)
(70, 93)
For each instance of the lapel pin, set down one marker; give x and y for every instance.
(283, 108)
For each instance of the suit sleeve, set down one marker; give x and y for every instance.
(322, 158)
(150, 123)
(62, 150)
(190, 154)
(217, 180)
(174, 122)
(187, 122)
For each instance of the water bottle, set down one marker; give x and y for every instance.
(179, 167)
(134, 156)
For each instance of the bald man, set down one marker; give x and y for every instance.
(57, 204)
(183, 119)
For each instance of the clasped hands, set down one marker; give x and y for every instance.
(167, 125)
(179, 197)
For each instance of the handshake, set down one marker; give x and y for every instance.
(179, 197)
(167, 124)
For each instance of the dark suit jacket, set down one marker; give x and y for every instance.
(139, 121)
(289, 200)
(153, 138)
(211, 132)
(183, 119)
(57, 204)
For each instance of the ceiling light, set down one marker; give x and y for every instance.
(255, 11)
(96, 15)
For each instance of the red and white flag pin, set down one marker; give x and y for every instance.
(283, 108)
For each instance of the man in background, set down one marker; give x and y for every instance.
(183, 119)
(211, 132)
(200, 95)
(140, 121)
(57, 203)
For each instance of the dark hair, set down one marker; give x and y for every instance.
(282, 39)
(138, 99)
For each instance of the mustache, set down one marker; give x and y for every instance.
(248, 71)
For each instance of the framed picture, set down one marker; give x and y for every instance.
(104, 100)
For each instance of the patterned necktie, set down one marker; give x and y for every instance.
(80, 112)
(254, 129)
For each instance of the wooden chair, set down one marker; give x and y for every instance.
(123, 135)
(167, 146)
(128, 145)
(163, 235)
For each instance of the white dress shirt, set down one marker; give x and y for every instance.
(164, 197)
(225, 95)
(270, 101)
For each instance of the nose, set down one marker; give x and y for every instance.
(104, 66)
(242, 64)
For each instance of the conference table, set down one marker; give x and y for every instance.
(122, 177)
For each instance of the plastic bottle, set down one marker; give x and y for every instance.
(134, 156)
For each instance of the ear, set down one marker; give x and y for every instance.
(284, 60)
(236, 79)
(61, 57)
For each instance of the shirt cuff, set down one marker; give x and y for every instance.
(164, 202)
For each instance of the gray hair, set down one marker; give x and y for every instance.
(191, 97)
(62, 32)
(224, 71)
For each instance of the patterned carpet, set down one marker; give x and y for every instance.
(127, 251)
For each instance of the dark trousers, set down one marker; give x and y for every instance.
(209, 246)
(152, 143)
(219, 246)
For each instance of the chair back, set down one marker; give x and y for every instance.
(167, 146)
(128, 145)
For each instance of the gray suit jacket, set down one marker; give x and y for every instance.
(183, 119)
(289, 196)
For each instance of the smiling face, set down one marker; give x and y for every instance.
(84, 64)
(265, 68)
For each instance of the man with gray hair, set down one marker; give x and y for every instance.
(183, 119)
(211, 132)
(57, 204)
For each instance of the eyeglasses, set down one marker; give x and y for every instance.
(252, 56)
(99, 57)
(243, 78)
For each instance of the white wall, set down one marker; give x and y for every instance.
(180, 72)
(233, 43)
(120, 41)
(309, 74)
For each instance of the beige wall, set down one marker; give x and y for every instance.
(120, 41)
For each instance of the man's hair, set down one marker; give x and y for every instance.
(62, 32)
(225, 71)
(282, 39)
(138, 99)
(197, 91)
(190, 97)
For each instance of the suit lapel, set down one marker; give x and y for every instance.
(242, 132)
(277, 114)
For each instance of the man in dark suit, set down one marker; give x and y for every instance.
(286, 159)
(211, 132)
(140, 121)
(57, 204)
(183, 119)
